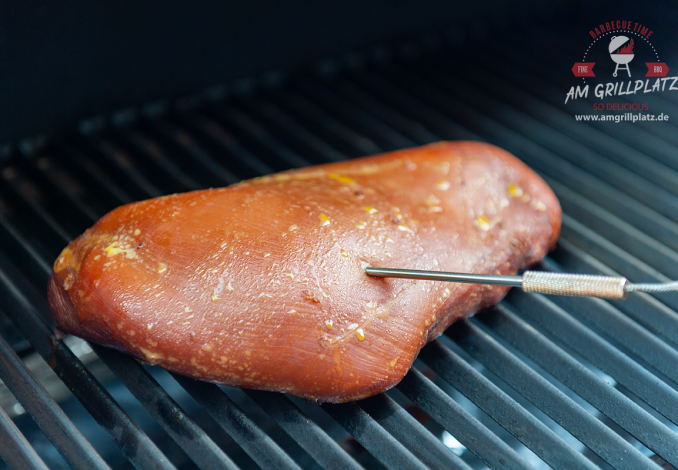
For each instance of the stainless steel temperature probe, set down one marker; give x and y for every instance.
(541, 282)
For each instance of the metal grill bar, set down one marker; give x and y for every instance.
(18, 245)
(259, 136)
(325, 126)
(622, 234)
(226, 142)
(118, 162)
(86, 170)
(638, 422)
(503, 409)
(373, 437)
(15, 450)
(13, 195)
(401, 122)
(144, 149)
(442, 125)
(187, 145)
(562, 326)
(45, 174)
(192, 439)
(258, 445)
(411, 433)
(308, 434)
(384, 135)
(60, 431)
(622, 206)
(470, 432)
(562, 409)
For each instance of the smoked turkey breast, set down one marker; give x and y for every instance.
(261, 284)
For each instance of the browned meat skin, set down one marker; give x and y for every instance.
(260, 285)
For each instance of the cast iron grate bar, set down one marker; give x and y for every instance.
(502, 408)
(458, 422)
(259, 136)
(622, 234)
(118, 163)
(147, 152)
(58, 428)
(85, 170)
(28, 256)
(258, 445)
(373, 437)
(611, 447)
(405, 102)
(192, 439)
(15, 450)
(563, 328)
(185, 144)
(383, 134)
(327, 127)
(408, 125)
(404, 427)
(607, 252)
(305, 431)
(316, 140)
(223, 142)
(623, 411)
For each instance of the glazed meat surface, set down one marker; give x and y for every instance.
(261, 284)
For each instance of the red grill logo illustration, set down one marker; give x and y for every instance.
(621, 52)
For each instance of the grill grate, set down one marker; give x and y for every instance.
(535, 382)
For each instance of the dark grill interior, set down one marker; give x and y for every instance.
(535, 382)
